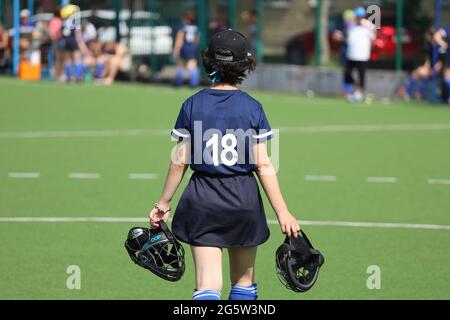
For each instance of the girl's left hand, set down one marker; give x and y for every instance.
(157, 215)
(289, 224)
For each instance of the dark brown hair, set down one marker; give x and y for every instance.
(188, 16)
(231, 72)
(57, 12)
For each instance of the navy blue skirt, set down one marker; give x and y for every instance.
(188, 51)
(69, 43)
(221, 211)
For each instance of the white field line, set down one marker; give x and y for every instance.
(24, 175)
(83, 134)
(381, 179)
(81, 175)
(272, 222)
(163, 132)
(122, 88)
(367, 128)
(439, 181)
(143, 176)
(320, 178)
(153, 176)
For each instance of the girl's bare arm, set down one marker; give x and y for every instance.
(175, 174)
(269, 181)
(439, 39)
(178, 43)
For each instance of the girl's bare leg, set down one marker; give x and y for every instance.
(242, 265)
(242, 274)
(208, 268)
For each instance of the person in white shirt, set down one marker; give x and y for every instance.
(359, 44)
(89, 32)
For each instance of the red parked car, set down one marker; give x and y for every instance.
(384, 47)
(301, 48)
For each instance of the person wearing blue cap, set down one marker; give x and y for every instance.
(359, 43)
(360, 12)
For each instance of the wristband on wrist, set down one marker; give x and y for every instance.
(161, 210)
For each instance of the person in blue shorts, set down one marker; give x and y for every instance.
(72, 43)
(222, 134)
(419, 78)
(185, 51)
(442, 38)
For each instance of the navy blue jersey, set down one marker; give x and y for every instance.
(444, 53)
(221, 126)
(71, 20)
(445, 32)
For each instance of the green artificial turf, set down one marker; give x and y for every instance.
(35, 255)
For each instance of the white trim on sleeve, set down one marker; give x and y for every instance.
(263, 135)
(179, 134)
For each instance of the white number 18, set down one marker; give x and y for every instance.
(227, 147)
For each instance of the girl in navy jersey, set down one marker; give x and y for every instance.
(185, 51)
(442, 38)
(222, 134)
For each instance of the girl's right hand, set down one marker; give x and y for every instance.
(288, 224)
(157, 215)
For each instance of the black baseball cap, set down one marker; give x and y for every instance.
(230, 40)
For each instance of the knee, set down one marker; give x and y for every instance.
(447, 78)
(191, 64)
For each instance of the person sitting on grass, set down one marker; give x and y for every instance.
(419, 78)
(442, 38)
(4, 49)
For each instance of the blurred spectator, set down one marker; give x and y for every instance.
(41, 41)
(89, 32)
(4, 49)
(220, 23)
(55, 31)
(48, 5)
(25, 20)
(340, 36)
(72, 43)
(26, 30)
(359, 43)
(185, 51)
(250, 18)
(93, 19)
(419, 78)
(442, 38)
(114, 58)
(93, 68)
(55, 26)
(105, 61)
